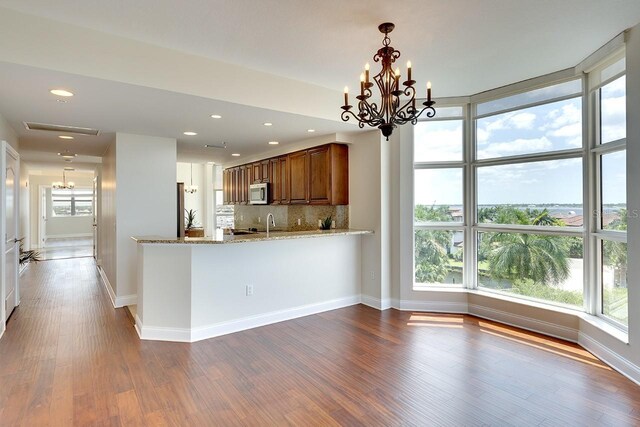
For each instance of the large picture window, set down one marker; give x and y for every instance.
(520, 197)
(609, 232)
(438, 200)
(75, 202)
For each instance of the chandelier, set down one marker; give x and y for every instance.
(392, 110)
(191, 188)
(64, 185)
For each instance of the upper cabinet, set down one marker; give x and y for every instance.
(315, 176)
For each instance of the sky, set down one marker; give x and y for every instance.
(544, 128)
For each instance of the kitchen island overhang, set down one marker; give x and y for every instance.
(193, 289)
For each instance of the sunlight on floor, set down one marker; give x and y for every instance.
(544, 344)
(436, 321)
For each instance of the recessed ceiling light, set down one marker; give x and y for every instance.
(65, 137)
(268, 124)
(216, 116)
(189, 133)
(61, 92)
(273, 143)
(236, 154)
(311, 130)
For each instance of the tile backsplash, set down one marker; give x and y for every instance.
(286, 216)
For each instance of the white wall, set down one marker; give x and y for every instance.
(369, 209)
(25, 206)
(8, 134)
(145, 189)
(35, 181)
(67, 226)
(107, 243)
(189, 292)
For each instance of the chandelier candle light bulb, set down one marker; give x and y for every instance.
(391, 110)
(346, 96)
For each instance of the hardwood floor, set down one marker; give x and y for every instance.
(68, 358)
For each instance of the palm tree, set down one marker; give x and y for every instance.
(432, 255)
(543, 259)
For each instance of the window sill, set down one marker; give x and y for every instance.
(605, 327)
(593, 320)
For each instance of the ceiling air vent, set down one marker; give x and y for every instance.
(61, 128)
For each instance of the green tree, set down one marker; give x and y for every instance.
(543, 259)
(432, 255)
(432, 247)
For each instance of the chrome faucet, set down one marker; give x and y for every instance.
(272, 222)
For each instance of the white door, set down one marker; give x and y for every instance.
(95, 218)
(42, 224)
(10, 250)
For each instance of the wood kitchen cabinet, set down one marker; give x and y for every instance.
(298, 177)
(316, 176)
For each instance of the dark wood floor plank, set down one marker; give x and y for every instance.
(68, 358)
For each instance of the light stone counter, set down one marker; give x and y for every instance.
(256, 237)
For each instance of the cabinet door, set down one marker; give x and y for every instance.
(235, 175)
(284, 180)
(319, 175)
(264, 171)
(225, 186)
(274, 180)
(298, 173)
(256, 172)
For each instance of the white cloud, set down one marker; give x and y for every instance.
(567, 131)
(512, 148)
(568, 114)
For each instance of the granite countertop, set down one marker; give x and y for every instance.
(256, 237)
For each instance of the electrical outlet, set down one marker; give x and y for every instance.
(373, 275)
(249, 290)
(259, 219)
(241, 217)
(319, 223)
(299, 221)
(333, 224)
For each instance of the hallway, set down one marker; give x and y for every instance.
(69, 358)
(61, 248)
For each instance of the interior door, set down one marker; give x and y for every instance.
(95, 218)
(42, 226)
(11, 246)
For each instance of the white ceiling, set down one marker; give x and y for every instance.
(462, 46)
(112, 106)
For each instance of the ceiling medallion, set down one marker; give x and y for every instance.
(392, 110)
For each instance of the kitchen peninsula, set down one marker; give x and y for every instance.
(193, 289)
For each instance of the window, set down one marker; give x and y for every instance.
(223, 213)
(76, 202)
(513, 197)
(529, 179)
(610, 162)
(438, 199)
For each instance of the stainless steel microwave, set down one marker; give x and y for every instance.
(258, 194)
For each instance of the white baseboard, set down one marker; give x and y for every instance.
(125, 300)
(617, 362)
(524, 322)
(433, 306)
(224, 328)
(159, 333)
(69, 236)
(107, 285)
(116, 301)
(377, 303)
